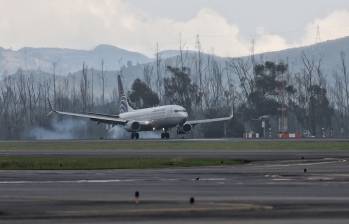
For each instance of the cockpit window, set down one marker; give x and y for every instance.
(176, 111)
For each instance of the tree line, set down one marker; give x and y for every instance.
(305, 101)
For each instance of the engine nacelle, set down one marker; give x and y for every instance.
(187, 127)
(133, 126)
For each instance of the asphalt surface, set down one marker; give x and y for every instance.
(280, 186)
(253, 155)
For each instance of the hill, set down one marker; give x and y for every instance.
(67, 60)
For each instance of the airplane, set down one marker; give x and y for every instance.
(149, 119)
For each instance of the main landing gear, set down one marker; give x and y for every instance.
(165, 135)
(134, 135)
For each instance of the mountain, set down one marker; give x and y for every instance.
(67, 60)
(328, 52)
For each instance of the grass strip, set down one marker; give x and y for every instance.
(150, 144)
(87, 163)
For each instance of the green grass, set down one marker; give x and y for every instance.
(87, 163)
(73, 163)
(151, 144)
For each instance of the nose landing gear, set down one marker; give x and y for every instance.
(134, 135)
(165, 135)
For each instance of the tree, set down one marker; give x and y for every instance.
(345, 81)
(264, 99)
(103, 80)
(142, 95)
(320, 110)
(84, 88)
(179, 89)
(158, 71)
(54, 64)
(147, 74)
(316, 107)
(244, 71)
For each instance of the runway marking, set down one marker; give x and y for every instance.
(320, 178)
(211, 179)
(65, 181)
(306, 164)
(282, 179)
(101, 181)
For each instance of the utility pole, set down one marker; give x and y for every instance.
(199, 62)
(158, 73)
(92, 103)
(102, 77)
(181, 52)
(283, 126)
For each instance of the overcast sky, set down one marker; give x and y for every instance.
(225, 27)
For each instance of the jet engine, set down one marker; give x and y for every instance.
(184, 129)
(133, 126)
(187, 127)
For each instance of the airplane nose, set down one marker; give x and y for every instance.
(184, 114)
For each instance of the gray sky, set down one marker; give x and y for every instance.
(276, 16)
(226, 27)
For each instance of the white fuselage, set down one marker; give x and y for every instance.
(158, 117)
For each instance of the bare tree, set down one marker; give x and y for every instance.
(92, 81)
(54, 83)
(345, 81)
(216, 83)
(103, 81)
(199, 67)
(84, 87)
(147, 74)
(158, 72)
(244, 71)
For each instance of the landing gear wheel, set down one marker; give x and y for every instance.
(165, 135)
(134, 135)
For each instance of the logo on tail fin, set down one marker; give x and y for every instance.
(124, 106)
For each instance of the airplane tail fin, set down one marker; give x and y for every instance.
(124, 106)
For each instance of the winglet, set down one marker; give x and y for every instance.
(51, 108)
(232, 113)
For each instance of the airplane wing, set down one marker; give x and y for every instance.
(101, 118)
(95, 117)
(204, 121)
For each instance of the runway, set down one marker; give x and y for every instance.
(251, 154)
(289, 186)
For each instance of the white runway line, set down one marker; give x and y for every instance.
(104, 181)
(65, 181)
(306, 164)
